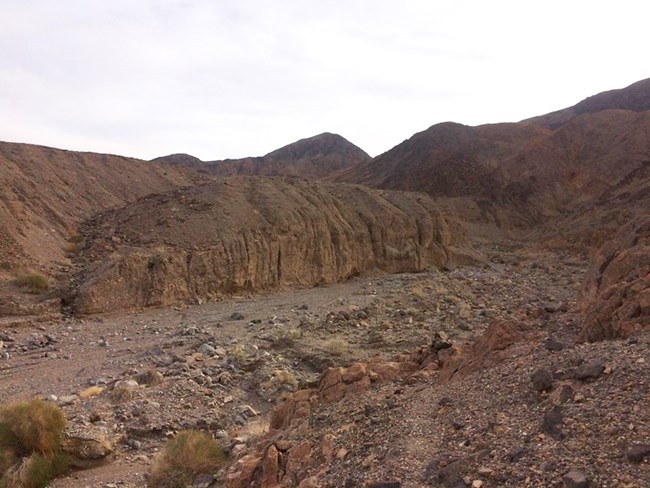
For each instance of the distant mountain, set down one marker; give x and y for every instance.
(315, 157)
(635, 98)
(522, 175)
(180, 159)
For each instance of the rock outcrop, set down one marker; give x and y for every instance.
(290, 452)
(616, 293)
(246, 234)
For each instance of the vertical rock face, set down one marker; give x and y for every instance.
(256, 233)
(616, 293)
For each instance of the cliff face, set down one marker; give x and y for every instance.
(257, 233)
(616, 292)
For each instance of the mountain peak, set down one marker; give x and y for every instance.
(325, 144)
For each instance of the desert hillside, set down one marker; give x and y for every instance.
(47, 193)
(518, 176)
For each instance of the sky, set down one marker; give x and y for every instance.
(227, 79)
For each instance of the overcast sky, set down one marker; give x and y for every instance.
(220, 79)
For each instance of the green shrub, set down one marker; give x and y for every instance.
(33, 282)
(189, 454)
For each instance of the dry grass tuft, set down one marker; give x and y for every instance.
(31, 433)
(121, 394)
(91, 392)
(35, 471)
(189, 454)
(33, 282)
(31, 426)
(284, 377)
(76, 242)
(337, 347)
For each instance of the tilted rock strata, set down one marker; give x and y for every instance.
(257, 233)
(286, 458)
(616, 293)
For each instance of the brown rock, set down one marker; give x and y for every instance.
(85, 446)
(231, 239)
(485, 351)
(542, 380)
(242, 473)
(270, 469)
(298, 460)
(589, 371)
(327, 448)
(575, 478)
(354, 373)
(616, 292)
(638, 453)
(386, 371)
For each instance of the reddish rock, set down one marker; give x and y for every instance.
(297, 406)
(327, 448)
(358, 387)
(387, 371)
(354, 373)
(242, 473)
(485, 351)
(616, 292)
(297, 461)
(270, 468)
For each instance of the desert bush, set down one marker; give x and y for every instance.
(75, 244)
(183, 458)
(284, 377)
(121, 393)
(31, 426)
(33, 282)
(73, 248)
(336, 347)
(31, 433)
(35, 471)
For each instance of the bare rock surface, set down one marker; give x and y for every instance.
(246, 234)
(616, 293)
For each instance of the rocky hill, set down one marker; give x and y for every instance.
(47, 192)
(313, 158)
(635, 97)
(518, 176)
(250, 234)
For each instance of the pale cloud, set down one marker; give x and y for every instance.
(224, 79)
